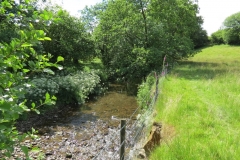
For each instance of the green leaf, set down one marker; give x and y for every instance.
(35, 149)
(46, 17)
(31, 26)
(5, 106)
(47, 96)
(11, 15)
(47, 38)
(15, 115)
(31, 64)
(47, 70)
(33, 130)
(26, 45)
(2, 127)
(33, 105)
(26, 70)
(54, 98)
(25, 150)
(60, 58)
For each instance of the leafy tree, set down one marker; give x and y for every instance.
(232, 21)
(134, 36)
(199, 36)
(232, 29)
(232, 36)
(90, 16)
(69, 38)
(18, 59)
(217, 37)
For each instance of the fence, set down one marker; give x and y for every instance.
(132, 133)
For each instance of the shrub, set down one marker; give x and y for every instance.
(71, 88)
(231, 36)
(75, 88)
(217, 37)
(145, 93)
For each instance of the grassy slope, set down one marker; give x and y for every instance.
(200, 107)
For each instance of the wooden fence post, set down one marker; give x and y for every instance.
(122, 139)
(156, 92)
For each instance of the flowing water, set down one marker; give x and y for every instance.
(91, 131)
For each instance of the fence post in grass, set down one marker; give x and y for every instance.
(122, 139)
(156, 92)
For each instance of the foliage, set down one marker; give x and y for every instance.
(134, 39)
(18, 59)
(90, 16)
(75, 88)
(39, 88)
(232, 21)
(145, 92)
(232, 36)
(232, 29)
(12, 21)
(199, 107)
(69, 88)
(217, 37)
(200, 38)
(69, 38)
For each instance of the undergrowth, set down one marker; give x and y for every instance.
(69, 88)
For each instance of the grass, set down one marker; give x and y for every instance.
(200, 108)
(96, 63)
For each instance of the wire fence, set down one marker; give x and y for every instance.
(136, 127)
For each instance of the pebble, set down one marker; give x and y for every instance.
(48, 153)
(68, 155)
(65, 142)
(27, 141)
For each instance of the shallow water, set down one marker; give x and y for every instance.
(113, 105)
(92, 128)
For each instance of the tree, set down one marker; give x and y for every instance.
(231, 26)
(90, 16)
(134, 36)
(18, 59)
(199, 36)
(69, 38)
(217, 37)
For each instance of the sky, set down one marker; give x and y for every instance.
(214, 12)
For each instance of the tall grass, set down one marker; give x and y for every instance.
(200, 107)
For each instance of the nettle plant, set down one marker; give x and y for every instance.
(18, 59)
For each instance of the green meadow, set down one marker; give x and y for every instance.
(199, 107)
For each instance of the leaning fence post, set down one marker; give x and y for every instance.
(122, 139)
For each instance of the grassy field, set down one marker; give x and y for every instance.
(200, 107)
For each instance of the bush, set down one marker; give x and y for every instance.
(231, 36)
(75, 88)
(68, 88)
(217, 37)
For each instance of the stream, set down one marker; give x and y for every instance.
(89, 132)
